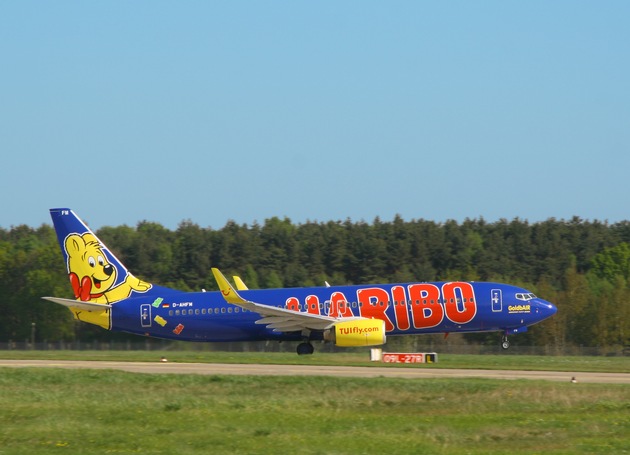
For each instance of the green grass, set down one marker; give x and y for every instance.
(88, 411)
(502, 361)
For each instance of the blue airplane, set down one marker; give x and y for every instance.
(108, 295)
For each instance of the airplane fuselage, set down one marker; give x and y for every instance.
(407, 308)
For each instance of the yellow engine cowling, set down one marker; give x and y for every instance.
(357, 332)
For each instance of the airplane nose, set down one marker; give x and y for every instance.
(548, 309)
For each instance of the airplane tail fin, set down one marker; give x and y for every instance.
(95, 273)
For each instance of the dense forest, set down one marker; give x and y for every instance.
(581, 266)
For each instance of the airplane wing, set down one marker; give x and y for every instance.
(278, 319)
(86, 306)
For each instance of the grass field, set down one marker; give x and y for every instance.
(502, 361)
(87, 411)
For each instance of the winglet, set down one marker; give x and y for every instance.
(229, 293)
(240, 284)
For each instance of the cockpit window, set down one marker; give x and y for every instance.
(523, 296)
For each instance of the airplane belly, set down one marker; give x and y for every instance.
(210, 328)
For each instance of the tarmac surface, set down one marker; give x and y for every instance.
(320, 370)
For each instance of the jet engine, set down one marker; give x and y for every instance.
(357, 332)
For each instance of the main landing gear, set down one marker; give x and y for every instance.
(305, 348)
(505, 344)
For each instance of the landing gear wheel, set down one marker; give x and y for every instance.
(505, 344)
(305, 349)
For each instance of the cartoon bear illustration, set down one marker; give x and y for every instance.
(92, 277)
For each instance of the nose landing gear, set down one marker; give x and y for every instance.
(505, 344)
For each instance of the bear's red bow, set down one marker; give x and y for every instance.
(83, 288)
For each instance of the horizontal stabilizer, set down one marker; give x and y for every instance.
(86, 306)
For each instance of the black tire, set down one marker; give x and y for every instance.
(305, 349)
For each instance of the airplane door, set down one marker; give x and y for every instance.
(497, 299)
(145, 315)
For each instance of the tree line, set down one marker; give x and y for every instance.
(582, 266)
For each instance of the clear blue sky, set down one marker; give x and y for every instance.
(314, 110)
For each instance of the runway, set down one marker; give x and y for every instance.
(320, 370)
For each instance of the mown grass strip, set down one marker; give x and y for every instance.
(88, 411)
